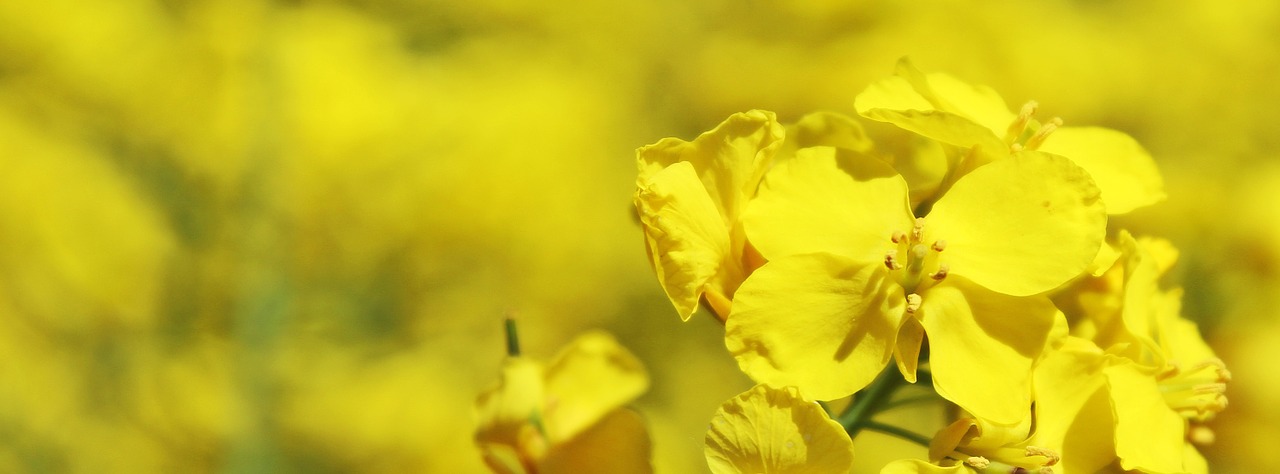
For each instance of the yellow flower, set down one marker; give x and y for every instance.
(567, 416)
(690, 196)
(1096, 408)
(767, 430)
(976, 120)
(854, 277)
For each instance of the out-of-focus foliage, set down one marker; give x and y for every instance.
(280, 237)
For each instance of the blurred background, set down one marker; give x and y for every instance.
(242, 236)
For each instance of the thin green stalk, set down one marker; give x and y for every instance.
(868, 402)
(896, 431)
(513, 340)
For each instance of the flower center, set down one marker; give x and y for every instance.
(1198, 392)
(1017, 136)
(912, 260)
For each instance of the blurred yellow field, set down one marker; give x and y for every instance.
(251, 236)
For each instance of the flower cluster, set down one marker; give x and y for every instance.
(969, 245)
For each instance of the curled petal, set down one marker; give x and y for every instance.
(686, 237)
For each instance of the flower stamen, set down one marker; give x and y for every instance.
(1038, 138)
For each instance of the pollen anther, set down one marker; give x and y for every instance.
(913, 303)
(1050, 457)
(891, 260)
(898, 236)
(977, 462)
(939, 245)
(941, 273)
(917, 231)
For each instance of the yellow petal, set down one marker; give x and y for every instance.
(592, 376)
(729, 160)
(907, 350)
(982, 346)
(978, 103)
(1020, 226)
(1073, 412)
(828, 200)
(940, 107)
(618, 443)
(820, 322)
(686, 236)
(767, 430)
(1149, 435)
(1124, 171)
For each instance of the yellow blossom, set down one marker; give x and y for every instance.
(567, 415)
(854, 277)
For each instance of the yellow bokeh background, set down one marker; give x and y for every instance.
(242, 236)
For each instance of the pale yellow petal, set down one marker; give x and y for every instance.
(1149, 435)
(591, 377)
(982, 346)
(618, 443)
(1073, 412)
(686, 237)
(907, 350)
(820, 322)
(829, 200)
(767, 430)
(1124, 171)
(1020, 226)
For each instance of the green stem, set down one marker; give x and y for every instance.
(896, 431)
(513, 340)
(930, 397)
(856, 417)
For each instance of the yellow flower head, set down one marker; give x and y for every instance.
(567, 416)
(854, 277)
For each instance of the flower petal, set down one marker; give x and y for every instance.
(982, 346)
(729, 159)
(618, 443)
(1149, 435)
(686, 237)
(1073, 413)
(1124, 171)
(775, 431)
(828, 200)
(1020, 226)
(591, 377)
(940, 107)
(820, 322)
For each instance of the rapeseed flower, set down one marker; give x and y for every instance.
(566, 416)
(854, 277)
